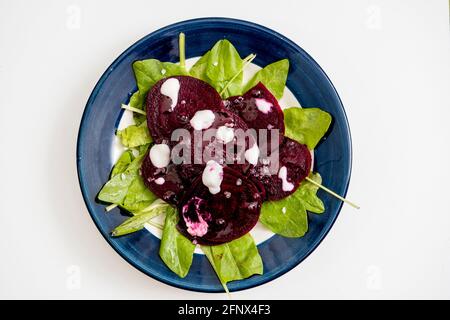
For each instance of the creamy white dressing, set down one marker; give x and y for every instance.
(212, 176)
(252, 154)
(263, 105)
(160, 155)
(225, 134)
(197, 229)
(160, 181)
(285, 185)
(170, 88)
(202, 119)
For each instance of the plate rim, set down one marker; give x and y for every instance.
(97, 88)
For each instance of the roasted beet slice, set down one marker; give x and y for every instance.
(164, 115)
(216, 148)
(165, 182)
(294, 165)
(212, 219)
(260, 110)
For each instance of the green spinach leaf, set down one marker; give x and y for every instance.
(235, 260)
(198, 70)
(176, 250)
(307, 194)
(115, 190)
(273, 76)
(306, 125)
(147, 73)
(135, 135)
(219, 66)
(137, 101)
(138, 221)
(286, 217)
(123, 163)
(127, 188)
(138, 196)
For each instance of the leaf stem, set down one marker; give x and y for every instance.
(181, 44)
(136, 110)
(332, 193)
(111, 206)
(247, 60)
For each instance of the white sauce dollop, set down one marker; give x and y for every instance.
(202, 119)
(225, 134)
(286, 185)
(212, 176)
(263, 105)
(197, 229)
(160, 181)
(252, 154)
(160, 155)
(170, 88)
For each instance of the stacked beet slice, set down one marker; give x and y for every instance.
(233, 211)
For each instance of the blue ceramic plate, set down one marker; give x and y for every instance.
(307, 81)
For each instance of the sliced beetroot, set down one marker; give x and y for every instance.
(235, 160)
(295, 158)
(165, 182)
(260, 110)
(193, 95)
(212, 219)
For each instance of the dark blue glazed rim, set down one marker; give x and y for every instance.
(307, 81)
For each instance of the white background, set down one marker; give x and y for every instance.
(389, 61)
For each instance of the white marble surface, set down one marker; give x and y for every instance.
(390, 63)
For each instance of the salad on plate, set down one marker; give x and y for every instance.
(208, 154)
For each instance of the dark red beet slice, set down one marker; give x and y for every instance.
(165, 182)
(295, 157)
(229, 214)
(193, 95)
(267, 116)
(223, 118)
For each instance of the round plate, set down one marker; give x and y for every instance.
(307, 81)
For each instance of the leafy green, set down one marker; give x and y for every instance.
(123, 163)
(115, 190)
(307, 193)
(306, 125)
(138, 196)
(127, 188)
(176, 250)
(138, 221)
(286, 217)
(147, 73)
(235, 260)
(198, 70)
(135, 135)
(137, 101)
(220, 65)
(135, 165)
(273, 76)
